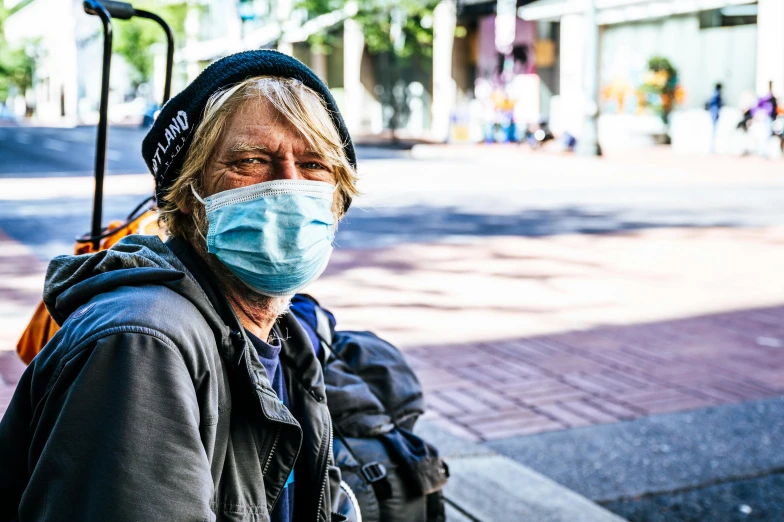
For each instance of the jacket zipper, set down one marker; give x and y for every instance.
(272, 452)
(326, 470)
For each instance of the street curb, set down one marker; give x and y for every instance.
(485, 486)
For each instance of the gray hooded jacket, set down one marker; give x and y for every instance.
(150, 403)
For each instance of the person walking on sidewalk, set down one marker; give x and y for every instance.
(175, 389)
(765, 114)
(713, 106)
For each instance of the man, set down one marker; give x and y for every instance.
(765, 113)
(714, 106)
(175, 389)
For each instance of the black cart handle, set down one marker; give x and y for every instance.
(106, 10)
(120, 10)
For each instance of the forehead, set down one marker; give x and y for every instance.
(258, 115)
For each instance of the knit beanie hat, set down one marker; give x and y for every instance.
(166, 144)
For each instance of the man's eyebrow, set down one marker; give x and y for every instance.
(247, 147)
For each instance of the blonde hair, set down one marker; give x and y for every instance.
(299, 104)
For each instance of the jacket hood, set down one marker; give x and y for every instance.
(135, 260)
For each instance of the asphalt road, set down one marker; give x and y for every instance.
(52, 152)
(47, 156)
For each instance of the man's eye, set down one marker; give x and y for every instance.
(249, 161)
(313, 165)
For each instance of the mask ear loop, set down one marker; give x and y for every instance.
(201, 200)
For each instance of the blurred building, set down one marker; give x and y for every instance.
(739, 43)
(374, 92)
(504, 71)
(67, 46)
(48, 29)
(499, 67)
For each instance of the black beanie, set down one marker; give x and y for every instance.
(165, 146)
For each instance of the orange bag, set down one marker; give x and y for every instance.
(42, 327)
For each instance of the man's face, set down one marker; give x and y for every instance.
(258, 145)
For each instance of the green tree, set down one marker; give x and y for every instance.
(404, 27)
(324, 41)
(17, 67)
(399, 33)
(133, 38)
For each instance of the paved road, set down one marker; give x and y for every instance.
(34, 156)
(433, 198)
(51, 152)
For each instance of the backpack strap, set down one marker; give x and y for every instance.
(324, 333)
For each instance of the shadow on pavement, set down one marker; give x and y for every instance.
(370, 228)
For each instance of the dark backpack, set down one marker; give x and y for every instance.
(374, 397)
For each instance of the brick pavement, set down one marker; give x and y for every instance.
(493, 390)
(513, 355)
(21, 282)
(11, 369)
(484, 391)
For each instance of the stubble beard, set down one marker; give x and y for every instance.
(259, 308)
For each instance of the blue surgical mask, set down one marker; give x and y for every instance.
(275, 236)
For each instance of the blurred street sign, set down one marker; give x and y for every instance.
(505, 25)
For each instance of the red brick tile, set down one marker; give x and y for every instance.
(564, 415)
(501, 374)
(553, 397)
(433, 379)
(440, 405)
(667, 401)
(490, 416)
(501, 432)
(728, 389)
(589, 411)
(673, 405)
(493, 399)
(464, 400)
(417, 363)
(590, 385)
(647, 396)
(530, 387)
(620, 411)
(11, 367)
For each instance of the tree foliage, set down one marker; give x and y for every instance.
(377, 18)
(134, 38)
(17, 67)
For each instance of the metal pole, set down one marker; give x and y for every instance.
(169, 48)
(588, 144)
(97, 9)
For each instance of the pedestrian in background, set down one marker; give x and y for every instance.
(764, 114)
(713, 106)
